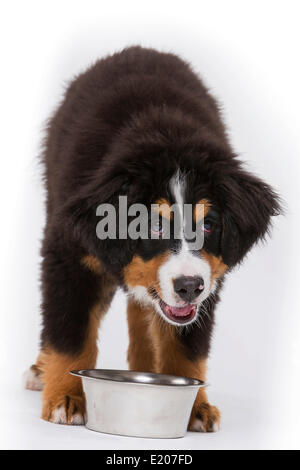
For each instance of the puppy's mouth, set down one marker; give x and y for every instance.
(180, 315)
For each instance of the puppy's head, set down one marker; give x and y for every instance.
(230, 209)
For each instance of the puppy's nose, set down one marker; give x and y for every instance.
(188, 287)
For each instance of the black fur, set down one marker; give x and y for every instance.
(125, 127)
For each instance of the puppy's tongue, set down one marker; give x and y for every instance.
(180, 311)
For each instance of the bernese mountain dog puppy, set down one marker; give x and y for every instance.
(140, 124)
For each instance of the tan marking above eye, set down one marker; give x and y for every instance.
(217, 266)
(163, 208)
(144, 273)
(198, 209)
(92, 263)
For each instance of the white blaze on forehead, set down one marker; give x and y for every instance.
(185, 262)
(177, 189)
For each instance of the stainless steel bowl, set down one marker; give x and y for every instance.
(138, 404)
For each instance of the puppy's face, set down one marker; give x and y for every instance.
(231, 209)
(169, 270)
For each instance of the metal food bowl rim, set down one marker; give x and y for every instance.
(191, 382)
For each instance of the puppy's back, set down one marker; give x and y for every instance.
(104, 99)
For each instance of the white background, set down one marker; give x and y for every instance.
(248, 54)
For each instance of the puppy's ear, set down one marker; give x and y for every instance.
(248, 205)
(79, 219)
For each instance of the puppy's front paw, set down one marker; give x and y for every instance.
(67, 410)
(205, 418)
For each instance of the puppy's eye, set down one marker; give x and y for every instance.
(207, 227)
(157, 228)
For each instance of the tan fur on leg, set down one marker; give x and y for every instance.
(140, 352)
(170, 358)
(63, 400)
